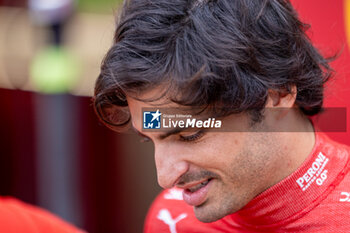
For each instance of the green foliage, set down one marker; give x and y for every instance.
(99, 6)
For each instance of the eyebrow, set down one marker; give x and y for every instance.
(162, 136)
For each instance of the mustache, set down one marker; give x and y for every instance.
(195, 176)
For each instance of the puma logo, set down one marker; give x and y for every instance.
(166, 217)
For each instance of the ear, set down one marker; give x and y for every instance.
(279, 104)
(277, 99)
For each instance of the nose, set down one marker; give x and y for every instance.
(170, 164)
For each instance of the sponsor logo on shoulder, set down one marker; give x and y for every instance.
(315, 173)
(165, 216)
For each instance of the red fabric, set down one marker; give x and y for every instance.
(315, 198)
(18, 217)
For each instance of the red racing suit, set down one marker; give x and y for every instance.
(19, 217)
(315, 198)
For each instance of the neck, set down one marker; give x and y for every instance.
(294, 196)
(297, 143)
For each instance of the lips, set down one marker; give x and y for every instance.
(197, 194)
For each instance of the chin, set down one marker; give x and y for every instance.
(211, 212)
(206, 214)
(207, 218)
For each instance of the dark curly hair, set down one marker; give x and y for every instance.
(210, 53)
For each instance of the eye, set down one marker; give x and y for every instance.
(192, 137)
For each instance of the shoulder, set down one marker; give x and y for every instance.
(17, 216)
(169, 213)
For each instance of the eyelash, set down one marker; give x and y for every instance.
(193, 137)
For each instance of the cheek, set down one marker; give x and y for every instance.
(224, 153)
(245, 159)
(256, 163)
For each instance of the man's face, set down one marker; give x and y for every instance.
(220, 172)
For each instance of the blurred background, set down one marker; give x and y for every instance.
(53, 151)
